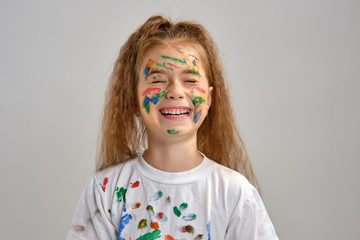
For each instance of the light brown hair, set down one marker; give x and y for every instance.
(123, 135)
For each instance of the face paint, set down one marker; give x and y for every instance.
(197, 116)
(192, 60)
(164, 66)
(198, 96)
(173, 132)
(182, 61)
(157, 94)
(149, 67)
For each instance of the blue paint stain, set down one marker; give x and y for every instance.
(156, 196)
(123, 222)
(194, 63)
(208, 229)
(146, 100)
(154, 99)
(147, 71)
(197, 116)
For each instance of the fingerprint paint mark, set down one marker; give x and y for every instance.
(156, 196)
(151, 91)
(168, 199)
(103, 186)
(150, 208)
(109, 210)
(164, 66)
(123, 222)
(161, 216)
(197, 116)
(78, 228)
(183, 206)
(182, 61)
(189, 229)
(208, 229)
(120, 194)
(154, 225)
(135, 184)
(177, 211)
(173, 131)
(189, 217)
(199, 237)
(136, 205)
(151, 236)
(142, 224)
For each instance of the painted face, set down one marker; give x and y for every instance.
(173, 91)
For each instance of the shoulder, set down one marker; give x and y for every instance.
(232, 183)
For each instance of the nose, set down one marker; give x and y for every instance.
(175, 91)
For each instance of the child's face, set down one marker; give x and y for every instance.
(173, 91)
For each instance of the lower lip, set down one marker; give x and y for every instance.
(176, 118)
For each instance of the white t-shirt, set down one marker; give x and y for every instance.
(133, 200)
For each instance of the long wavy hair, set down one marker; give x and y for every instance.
(123, 135)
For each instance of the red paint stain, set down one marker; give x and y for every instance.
(199, 89)
(137, 205)
(188, 229)
(154, 225)
(135, 184)
(151, 91)
(169, 237)
(174, 66)
(160, 215)
(104, 183)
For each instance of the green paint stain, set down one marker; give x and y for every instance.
(142, 224)
(175, 59)
(177, 211)
(154, 77)
(198, 99)
(173, 132)
(190, 229)
(150, 208)
(120, 194)
(164, 66)
(160, 94)
(147, 107)
(150, 236)
(183, 206)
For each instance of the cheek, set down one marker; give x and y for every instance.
(198, 96)
(151, 96)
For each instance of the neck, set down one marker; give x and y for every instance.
(174, 156)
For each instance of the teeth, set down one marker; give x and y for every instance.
(176, 112)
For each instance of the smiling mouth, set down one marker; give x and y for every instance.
(175, 112)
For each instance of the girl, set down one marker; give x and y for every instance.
(167, 95)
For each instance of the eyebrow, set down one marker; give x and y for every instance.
(192, 71)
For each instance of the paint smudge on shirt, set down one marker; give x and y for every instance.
(135, 184)
(183, 206)
(120, 194)
(173, 131)
(151, 236)
(199, 237)
(177, 211)
(123, 222)
(154, 225)
(208, 229)
(189, 229)
(136, 205)
(156, 196)
(150, 208)
(78, 228)
(103, 185)
(169, 237)
(197, 116)
(161, 216)
(142, 224)
(168, 199)
(189, 217)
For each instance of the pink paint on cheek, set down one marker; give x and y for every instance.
(199, 89)
(151, 91)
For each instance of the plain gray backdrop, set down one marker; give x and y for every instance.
(294, 72)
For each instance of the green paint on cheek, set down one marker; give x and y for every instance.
(154, 77)
(150, 236)
(120, 194)
(163, 65)
(147, 107)
(160, 95)
(173, 132)
(177, 211)
(198, 99)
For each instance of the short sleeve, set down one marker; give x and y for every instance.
(250, 221)
(90, 220)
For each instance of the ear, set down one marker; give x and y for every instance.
(208, 100)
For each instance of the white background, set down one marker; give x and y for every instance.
(294, 72)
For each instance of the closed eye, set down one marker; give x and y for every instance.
(191, 81)
(158, 81)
